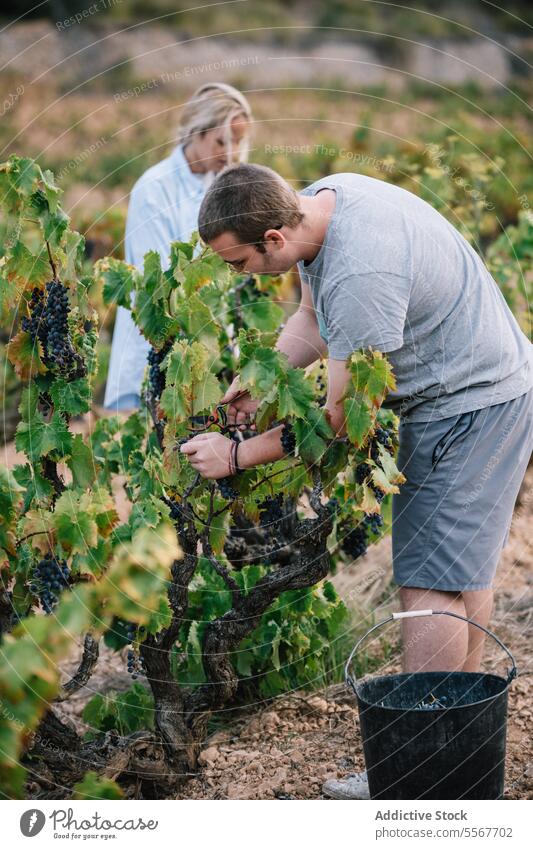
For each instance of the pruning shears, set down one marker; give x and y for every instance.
(219, 417)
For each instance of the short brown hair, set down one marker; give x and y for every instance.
(247, 200)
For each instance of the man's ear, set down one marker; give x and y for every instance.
(274, 238)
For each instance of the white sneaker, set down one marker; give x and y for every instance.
(353, 786)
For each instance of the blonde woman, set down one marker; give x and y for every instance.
(164, 204)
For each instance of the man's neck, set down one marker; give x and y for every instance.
(318, 210)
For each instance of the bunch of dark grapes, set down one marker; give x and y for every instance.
(320, 382)
(361, 475)
(378, 493)
(50, 577)
(134, 660)
(35, 325)
(156, 377)
(48, 323)
(355, 543)
(288, 439)
(374, 521)
(176, 513)
(227, 489)
(271, 514)
(362, 472)
(255, 292)
(236, 550)
(383, 437)
(61, 355)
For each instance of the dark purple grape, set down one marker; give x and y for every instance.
(50, 577)
(355, 542)
(156, 377)
(374, 521)
(288, 439)
(362, 472)
(226, 489)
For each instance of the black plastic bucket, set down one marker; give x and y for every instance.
(433, 735)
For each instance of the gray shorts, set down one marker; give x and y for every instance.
(453, 514)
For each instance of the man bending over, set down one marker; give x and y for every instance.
(380, 267)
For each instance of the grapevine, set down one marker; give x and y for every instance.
(196, 564)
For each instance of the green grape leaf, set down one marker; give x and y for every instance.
(101, 505)
(196, 320)
(190, 387)
(54, 226)
(161, 617)
(25, 268)
(72, 397)
(75, 526)
(177, 248)
(151, 317)
(118, 281)
(311, 435)
(25, 355)
(72, 257)
(94, 786)
(333, 461)
(36, 437)
(218, 532)
(200, 272)
(50, 189)
(140, 571)
(81, 463)
(359, 419)
(295, 395)
(23, 174)
(10, 502)
(35, 485)
(369, 502)
(261, 370)
(263, 314)
(371, 374)
(37, 526)
(153, 281)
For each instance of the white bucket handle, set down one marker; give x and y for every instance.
(407, 614)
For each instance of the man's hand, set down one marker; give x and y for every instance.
(243, 408)
(209, 454)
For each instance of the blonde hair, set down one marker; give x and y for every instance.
(215, 105)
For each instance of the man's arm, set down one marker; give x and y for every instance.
(266, 447)
(300, 339)
(209, 453)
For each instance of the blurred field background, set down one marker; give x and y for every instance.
(434, 96)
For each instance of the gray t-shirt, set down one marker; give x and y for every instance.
(393, 274)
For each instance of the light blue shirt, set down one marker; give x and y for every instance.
(163, 208)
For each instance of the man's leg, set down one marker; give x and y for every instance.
(478, 606)
(433, 643)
